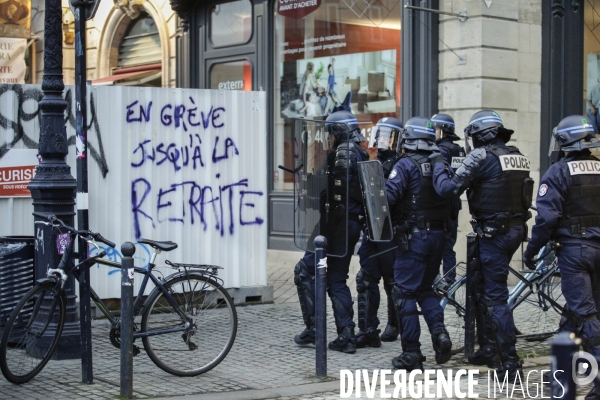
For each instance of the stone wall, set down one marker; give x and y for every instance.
(502, 72)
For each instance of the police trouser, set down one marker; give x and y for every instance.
(372, 269)
(449, 257)
(579, 265)
(495, 254)
(415, 270)
(337, 274)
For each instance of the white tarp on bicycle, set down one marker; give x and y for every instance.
(185, 165)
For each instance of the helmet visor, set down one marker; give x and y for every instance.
(386, 138)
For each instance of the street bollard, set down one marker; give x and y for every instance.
(320, 306)
(127, 272)
(470, 301)
(564, 346)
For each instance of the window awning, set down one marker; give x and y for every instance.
(132, 75)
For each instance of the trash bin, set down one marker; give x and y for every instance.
(16, 272)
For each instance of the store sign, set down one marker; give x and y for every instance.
(12, 60)
(297, 8)
(17, 169)
(15, 21)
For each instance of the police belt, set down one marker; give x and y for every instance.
(502, 223)
(577, 224)
(430, 225)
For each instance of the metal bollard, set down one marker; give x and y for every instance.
(564, 346)
(127, 272)
(469, 303)
(320, 306)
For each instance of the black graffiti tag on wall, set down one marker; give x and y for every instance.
(29, 99)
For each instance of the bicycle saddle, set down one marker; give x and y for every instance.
(164, 246)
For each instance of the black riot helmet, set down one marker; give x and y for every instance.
(387, 134)
(484, 126)
(446, 124)
(574, 133)
(341, 124)
(418, 134)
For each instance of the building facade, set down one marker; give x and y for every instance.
(533, 62)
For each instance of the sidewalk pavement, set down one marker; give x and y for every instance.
(264, 362)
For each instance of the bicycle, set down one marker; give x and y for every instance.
(543, 282)
(188, 321)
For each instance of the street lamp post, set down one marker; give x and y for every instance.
(53, 187)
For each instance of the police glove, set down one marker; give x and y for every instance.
(436, 157)
(466, 171)
(528, 257)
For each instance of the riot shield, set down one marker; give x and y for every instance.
(379, 222)
(320, 190)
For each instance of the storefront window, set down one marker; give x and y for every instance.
(233, 75)
(231, 23)
(328, 52)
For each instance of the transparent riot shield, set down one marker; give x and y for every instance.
(372, 181)
(320, 189)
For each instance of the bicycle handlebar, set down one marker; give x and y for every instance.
(94, 235)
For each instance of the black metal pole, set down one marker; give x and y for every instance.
(53, 187)
(128, 249)
(469, 303)
(85, 315)
(564, 346)
(320, 306)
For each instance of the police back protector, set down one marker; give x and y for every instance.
(581, 205)
(510, 192)
(422, 204)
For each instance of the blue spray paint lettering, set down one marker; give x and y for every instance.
(222, 207)
(143, 114)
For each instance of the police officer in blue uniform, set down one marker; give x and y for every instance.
(568, 213)
(499, 190)
(372, 267)
(421, 218)
(454, 155)
(343, 126)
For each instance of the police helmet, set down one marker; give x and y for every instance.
(574, 133)
(387, 133)
(341, 124)
(446, 124)
(485, 125)
(418, 134)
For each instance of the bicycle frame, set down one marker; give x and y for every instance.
(139, 302)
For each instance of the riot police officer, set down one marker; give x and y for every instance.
(343, 126)
(454, 155)
(421, 218)
(499, 190)
(377, 259)
(567, 212)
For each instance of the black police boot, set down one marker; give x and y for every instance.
(511, 367)
(368, 338)
(390, 333)
(442, 345)
(409, 361)
(392, 330)
(486, 355)
(306, 337)
(345, 342)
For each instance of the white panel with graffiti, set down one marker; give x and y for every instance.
(166, 164)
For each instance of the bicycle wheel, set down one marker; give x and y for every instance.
(454, 313)
(32, 332)
(535, 317)
(214, 326)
